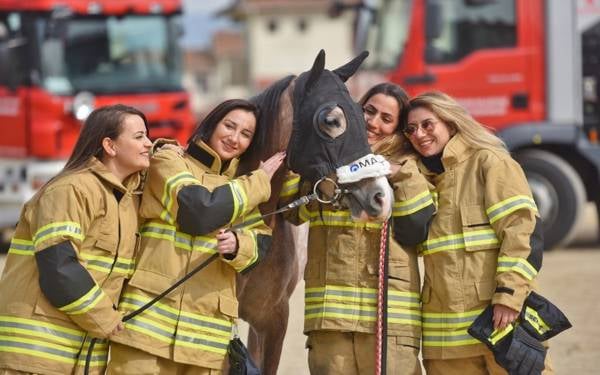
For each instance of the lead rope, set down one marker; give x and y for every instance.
(381, 332)
(298, 202)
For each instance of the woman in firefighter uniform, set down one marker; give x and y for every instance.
(72, 251)
(194, 208)
(342, 266)
(484, 244)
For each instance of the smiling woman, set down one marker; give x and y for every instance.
(73, 249)
(190, 205)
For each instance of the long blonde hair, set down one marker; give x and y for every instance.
(448, 110)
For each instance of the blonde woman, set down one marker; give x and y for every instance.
(484, 245)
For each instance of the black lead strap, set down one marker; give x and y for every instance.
(298, 202)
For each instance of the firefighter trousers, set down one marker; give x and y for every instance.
(481, 365)
(353, 353)
(125, 360)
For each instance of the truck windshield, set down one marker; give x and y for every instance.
(387, 34)
(110, 54)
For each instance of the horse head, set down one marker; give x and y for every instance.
(329, 139)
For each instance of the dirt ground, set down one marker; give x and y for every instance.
(570, 277)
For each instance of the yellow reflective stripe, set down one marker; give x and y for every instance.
(434, 196)
(536, 321)
(519, 265)
(170, 185)
(35, 328)
(179, 239)
(38, 348)
(448, 339)
(499, 335)
(290, 187)
(460, 241)
(84, 303)
(358, 303)
(171, 315)
(449, 320)
(254, 257)
(105, 264)
(180, 338)
(335, 219)
(62, 228)
(510, 205)
(410, 206)
(304, 213)
(21, 247)
(151, 328)
(251, 221)
(239, 200)
(198, 340)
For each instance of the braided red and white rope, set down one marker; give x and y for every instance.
(380, 300)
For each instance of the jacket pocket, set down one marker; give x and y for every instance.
(228, 306)
(154, 283)
(106, 244)
(477, 231)
(485, 290)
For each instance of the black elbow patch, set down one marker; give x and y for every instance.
(201, 212)
(536, 242)
(411, 230)
(263, 244)
(62, 278)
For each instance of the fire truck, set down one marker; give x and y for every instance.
(530, 69)
(60, 59)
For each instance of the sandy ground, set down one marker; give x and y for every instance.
(570, 278)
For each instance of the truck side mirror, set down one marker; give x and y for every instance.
(433, 20)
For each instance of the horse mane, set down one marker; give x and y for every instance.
(263, 144)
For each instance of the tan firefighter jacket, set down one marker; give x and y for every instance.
(92, 217)
(342, 266)
(483, 246)
(184, 197)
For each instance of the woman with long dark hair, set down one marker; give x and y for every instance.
(194, 208)
(341, 273)
(73, 249)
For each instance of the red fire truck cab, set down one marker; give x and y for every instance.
(528, 68)
(60, 59)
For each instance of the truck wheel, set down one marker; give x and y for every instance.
(558, 192)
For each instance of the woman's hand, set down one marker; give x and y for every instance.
(272, 164)
(503, 316)
(227, 243)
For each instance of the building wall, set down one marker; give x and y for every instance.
(289, 50)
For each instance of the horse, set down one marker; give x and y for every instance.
(313, 117)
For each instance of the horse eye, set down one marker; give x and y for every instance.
(332, 121)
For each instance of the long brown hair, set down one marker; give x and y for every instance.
(101, 123)
(396, 144)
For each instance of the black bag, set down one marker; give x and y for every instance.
(240, 362)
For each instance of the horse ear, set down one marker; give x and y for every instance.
(346, 71)
(316, 70)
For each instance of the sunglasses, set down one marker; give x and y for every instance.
(427, 126)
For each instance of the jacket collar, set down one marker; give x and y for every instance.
(209, 159)
(98, 168)
(456, 151)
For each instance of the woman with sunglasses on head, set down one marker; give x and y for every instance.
(73, 249)
(194, 208)
(484, 244)
(342, 266)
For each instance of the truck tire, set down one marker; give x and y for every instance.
(559, 194)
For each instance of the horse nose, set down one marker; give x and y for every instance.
(376, 202)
